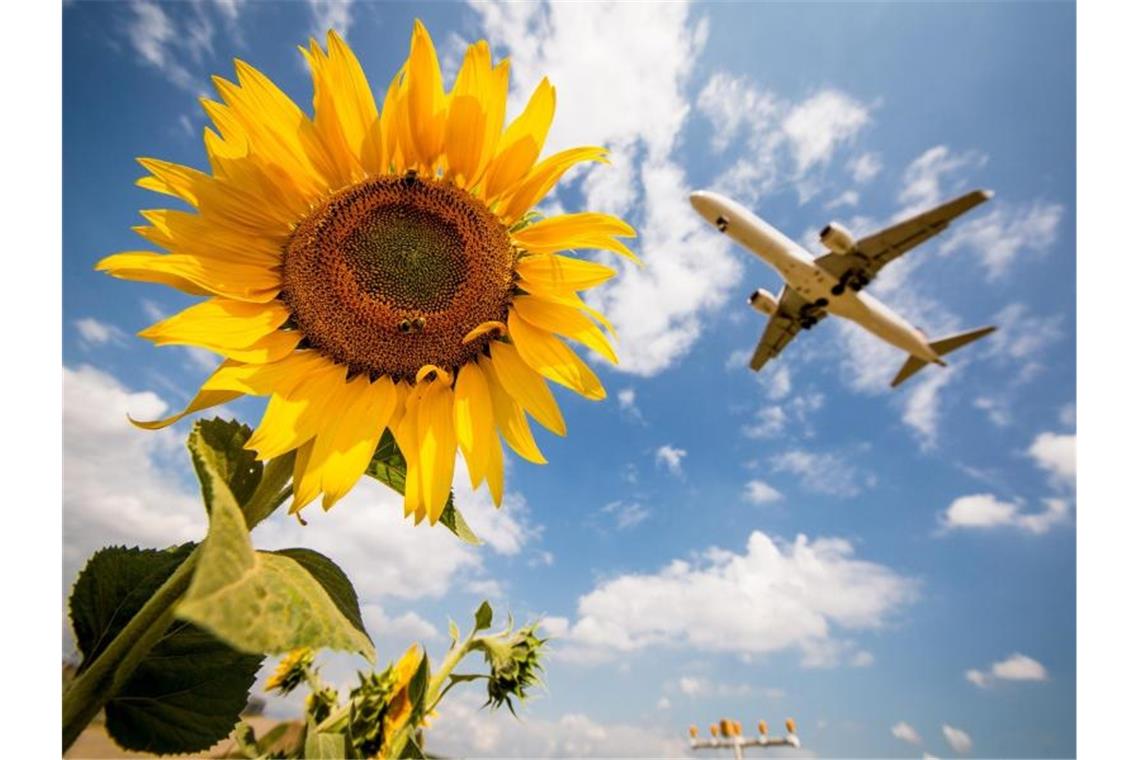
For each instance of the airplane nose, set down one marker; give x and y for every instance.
(704, 204)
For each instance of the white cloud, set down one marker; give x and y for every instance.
(759, 492)
(862, 659)
(121, 485)
(984, 511)
(1016, 667)
(330, 14)
(922, 404)
(466, 729)
(865, 167)
(698, 686)
(999, 237)
(631, 99)
(664, 703)
(906, 732)
(805, 590)
(173, 45)
(671, 456)
(996, 409)
(846, 198)
(769, 423)
(735, 108)
(958, 739)
(626, 514)
(826, 473)
(783, 139)
(820, 124)
(925, 177)
(1056, 454)
(92, 332)
(406, 627)
(627, 403)
(779, 382)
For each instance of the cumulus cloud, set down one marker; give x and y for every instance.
(922, 405)
(469, 730)
(808, 591)
(759, 492)
(985, 511)
(958, 739)
(906, 733)
(1016, 667)
(1056, 454)
(783, 139)
(768, 422)
(670, 458)
(175, 41)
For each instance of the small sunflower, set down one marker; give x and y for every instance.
(373, 268)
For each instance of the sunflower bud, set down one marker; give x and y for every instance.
(291, 671)
(515, 664)
(320, 704)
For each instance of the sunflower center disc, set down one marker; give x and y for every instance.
(391, 274)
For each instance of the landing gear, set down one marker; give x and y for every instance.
(853, 279)
(721, 223)
(811, 313)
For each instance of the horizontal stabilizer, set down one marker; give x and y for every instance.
(946, 345)
(913, 364)
(941, 347)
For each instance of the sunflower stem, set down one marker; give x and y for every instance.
(105, 676)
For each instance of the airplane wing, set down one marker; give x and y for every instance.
(874, 252)
(782, 327)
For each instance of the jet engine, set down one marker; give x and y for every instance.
(837, 238)
(763, 301)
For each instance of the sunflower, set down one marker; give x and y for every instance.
(381, 268)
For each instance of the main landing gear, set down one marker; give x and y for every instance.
(853, 279)
(811, 313)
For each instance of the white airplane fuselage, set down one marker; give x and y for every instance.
(800, 272)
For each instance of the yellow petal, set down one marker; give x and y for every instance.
(550, 357)
(481, 329)
(541, 179)
(551, 272)
(407, 438)
(426, 110)
(474, 420)
(388, 125)
(242, 282)
(564, 320)
(584, 230)
(345, 450)
(279, 377)
(290, 421)
(306, 480)
(204, 399)
(509, 417)
(527, 387)
(193, 235)
(520, 145)
(437, 446)
(494, 472)
(467, 116)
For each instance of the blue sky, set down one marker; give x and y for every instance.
(894, 569)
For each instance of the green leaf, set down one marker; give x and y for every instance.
(324, 746)
(217, 445)
(189, 690)
(246, 739)
(333, 580)
(112, 587)
(260, 602)
(456, 524)
(389, 467)
(483, 616)
(412, 750)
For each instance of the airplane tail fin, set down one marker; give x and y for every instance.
(942, 347)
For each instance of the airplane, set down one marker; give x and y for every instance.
(833, 283)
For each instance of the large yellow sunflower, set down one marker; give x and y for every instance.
(381, 268)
